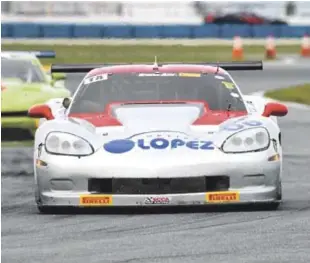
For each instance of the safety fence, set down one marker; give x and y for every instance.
(55, 30)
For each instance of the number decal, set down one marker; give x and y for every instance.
(241, 125)
(233, 127)
(95, 79)
(252, 123)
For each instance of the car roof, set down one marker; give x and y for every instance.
(166, 68)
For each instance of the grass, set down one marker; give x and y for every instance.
(298, 94)
(145, 53)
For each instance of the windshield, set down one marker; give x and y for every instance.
(24, 70)
(96, 92)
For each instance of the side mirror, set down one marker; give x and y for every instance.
(66, 103)
(41, 111)
(275, 109)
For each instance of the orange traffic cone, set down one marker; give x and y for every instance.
(237, 52)
(270, 48)
(305, 46)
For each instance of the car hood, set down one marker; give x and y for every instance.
(19, 96)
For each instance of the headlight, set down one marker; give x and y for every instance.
(67, 144)
(249, 140)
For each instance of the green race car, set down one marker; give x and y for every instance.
(24, 82)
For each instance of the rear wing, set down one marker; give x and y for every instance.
(38, 54)
(85, 68)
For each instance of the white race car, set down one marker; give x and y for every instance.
(157, 135)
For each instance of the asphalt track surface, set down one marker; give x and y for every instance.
(187, 236)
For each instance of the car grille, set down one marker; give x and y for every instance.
(14, 114)
(158, 185)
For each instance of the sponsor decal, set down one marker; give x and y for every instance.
(219, 77)
(157, 200)
(156, 74)
(190, 75)
(93, 79)
(166, 140)
(228, 85)
(223, 197)
(95, 200)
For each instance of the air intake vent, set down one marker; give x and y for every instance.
(159, 185)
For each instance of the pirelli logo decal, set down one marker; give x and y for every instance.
(223, 197)
(95, 200)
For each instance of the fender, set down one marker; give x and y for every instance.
(57, 108)
(256, 105)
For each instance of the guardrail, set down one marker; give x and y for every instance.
(54, 30)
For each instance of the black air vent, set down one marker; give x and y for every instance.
(159, 185)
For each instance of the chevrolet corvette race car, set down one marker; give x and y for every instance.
(23, 84)
(158, 135)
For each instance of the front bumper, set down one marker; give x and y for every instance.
(65, 181)
(234, 196)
